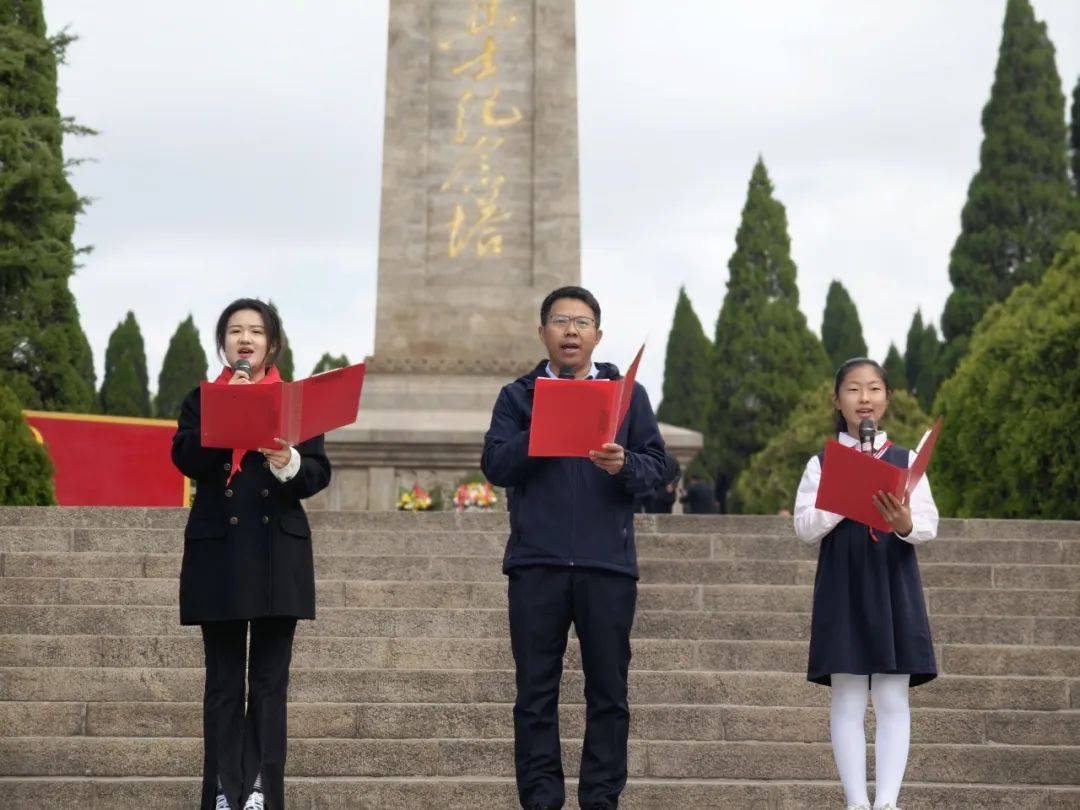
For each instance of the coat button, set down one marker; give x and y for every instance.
(266, 493)
(234, 520)
(228, 466)
(266, 465)
(266, 519)
(228, 493)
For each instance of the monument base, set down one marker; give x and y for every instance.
(425, 429)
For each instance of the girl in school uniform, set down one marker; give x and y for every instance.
(247, 569)
(869, 637)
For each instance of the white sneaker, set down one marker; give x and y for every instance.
(890, 807)
(255, 801)
(222, 803)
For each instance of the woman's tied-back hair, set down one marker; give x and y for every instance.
(275, 333)
(841, 374)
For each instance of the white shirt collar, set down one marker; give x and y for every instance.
(848, 441)
(594, 372)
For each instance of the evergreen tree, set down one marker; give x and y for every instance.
(328, 363)
(44, 355)
(895, 369)
(765, 355)
(1019, 203)
(285, 364)
(1012, 410)
(1076, 135)
(284, 361)
(931, 354)
(841, 332)
(913, 348)
(687, 370)
(125, 391)
(26, 473)
(183, 368)
(769, 482)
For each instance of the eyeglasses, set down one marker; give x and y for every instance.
(581, 323)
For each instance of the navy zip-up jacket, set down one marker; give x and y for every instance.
(567, 511)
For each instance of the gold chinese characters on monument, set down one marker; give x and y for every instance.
(476, 180)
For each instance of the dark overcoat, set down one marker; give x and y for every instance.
(247, 546)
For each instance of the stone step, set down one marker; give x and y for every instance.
(107, 756)
(331, 542)
(98, 517)
(391, 593)
(498, 793)
(139, 684)
(494, 653)
(112, 565)
(492, 623)
(493, 720)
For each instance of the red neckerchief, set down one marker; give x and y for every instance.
(878, 454)
(226, 374)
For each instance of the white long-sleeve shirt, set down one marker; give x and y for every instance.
(811, 524)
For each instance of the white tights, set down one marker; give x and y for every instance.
(847, 716)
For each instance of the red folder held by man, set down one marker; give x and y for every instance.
(248, 417)
(849, 480)
(572, 417)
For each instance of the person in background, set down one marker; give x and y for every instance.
(698, 498)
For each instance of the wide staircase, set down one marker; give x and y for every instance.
(401, 690)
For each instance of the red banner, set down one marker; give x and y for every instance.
(110, 460)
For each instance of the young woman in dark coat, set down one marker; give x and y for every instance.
(247, 566)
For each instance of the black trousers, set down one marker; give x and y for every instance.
(544, 601)
(239, 744)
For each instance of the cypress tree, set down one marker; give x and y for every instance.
(1012, 410)
(687, 370)
(1019, 203)
(44, 355)
(26, 473)
(328, 363)
(841, 332)
(931, 355)
(765, 355)
(913, 348)
(1075, 115)
(894, 368)
(183, 368)
(125, 391)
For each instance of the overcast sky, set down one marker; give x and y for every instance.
(240, 153)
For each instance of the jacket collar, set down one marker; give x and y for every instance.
(604, 371)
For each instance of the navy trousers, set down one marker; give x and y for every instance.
(544, 602)
(241, 742)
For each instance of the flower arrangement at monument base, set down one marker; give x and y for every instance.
(476, 496)
(416, 499)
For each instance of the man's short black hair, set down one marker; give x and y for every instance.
(580, 293)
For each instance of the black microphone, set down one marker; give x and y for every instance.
(867, 429)
(566, 373)
(242, 367)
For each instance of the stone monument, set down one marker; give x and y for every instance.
(479, 221)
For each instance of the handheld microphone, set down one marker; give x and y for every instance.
(867, 429)
(566, 373)
(242, 367)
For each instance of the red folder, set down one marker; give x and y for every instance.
(572, 417)
(248, 417)
(849, 480)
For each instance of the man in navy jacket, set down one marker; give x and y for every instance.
(571, 559)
